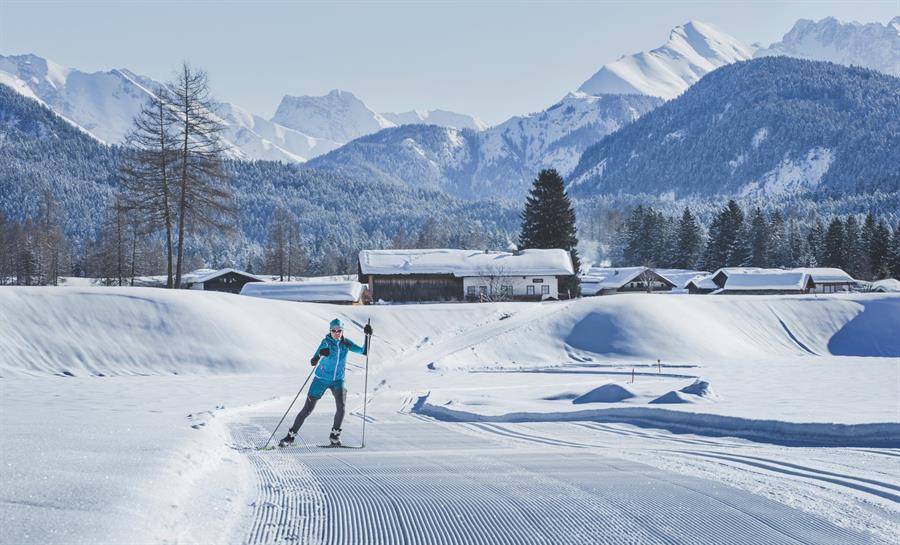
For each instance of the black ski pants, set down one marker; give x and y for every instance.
(340, 399)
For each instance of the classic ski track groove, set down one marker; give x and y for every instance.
(424, 482)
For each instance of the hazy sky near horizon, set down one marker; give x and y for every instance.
(493, 59)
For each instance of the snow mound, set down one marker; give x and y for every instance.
(608, 393)
(693, 393)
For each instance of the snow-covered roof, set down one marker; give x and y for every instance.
(702, 281)
(827, 275)
(204, 275)
(602, 278)
(462, 263)
(888, 284)
(766, 279)
(305, 291)
(680, 277)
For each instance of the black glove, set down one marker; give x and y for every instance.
(325, 352)
(368, 329)
(314, 360)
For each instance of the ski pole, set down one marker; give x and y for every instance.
(366, 386)
(289, 408)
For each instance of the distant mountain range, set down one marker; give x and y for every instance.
(103, 104)
(447, 151)
(872, 45)
(768, 127)
(41, 153)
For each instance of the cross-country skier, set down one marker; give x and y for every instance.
(329, 360)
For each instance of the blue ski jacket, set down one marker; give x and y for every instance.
(331, 367)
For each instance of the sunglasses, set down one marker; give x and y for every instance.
(336, 330)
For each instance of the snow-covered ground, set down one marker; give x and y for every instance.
(126, 414)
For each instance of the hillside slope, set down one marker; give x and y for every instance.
(768, 127)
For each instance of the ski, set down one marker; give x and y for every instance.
(341, 446)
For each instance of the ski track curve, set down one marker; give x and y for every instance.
(426, 482)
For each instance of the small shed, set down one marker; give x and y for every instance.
(701, 284)
(830, 280)
(341, 293)
(463, 275)
(762, 281)
(227, 280)
(680, 277)
(607, 281)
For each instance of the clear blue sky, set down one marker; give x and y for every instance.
(493, 59)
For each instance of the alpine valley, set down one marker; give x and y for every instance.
(693, 118)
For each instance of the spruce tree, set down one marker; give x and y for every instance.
(723, 232)
(688, 241)
(548, 221)
(866, 235)
(779, 249)
(816, 243)
(755, 240)
(895, 252)
(835, 255)
(852, 249)
(878, 251)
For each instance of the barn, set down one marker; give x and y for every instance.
(340, 293)
(463, 275)
(607, 281)
(227, 280)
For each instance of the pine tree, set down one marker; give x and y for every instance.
(723, 232)
(548, 221)
(632, 239)
(852, 248)
(816, 245)
(835, 255)
(895, 252)
(879, 251)
(866, 271)
(779, 247)
(689, 240)
(753, 241)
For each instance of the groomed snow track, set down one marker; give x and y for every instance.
(420, 481)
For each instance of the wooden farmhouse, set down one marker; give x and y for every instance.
(340, 293)
(463, 275)
(227, 280)
(607, 281)
(752, 281)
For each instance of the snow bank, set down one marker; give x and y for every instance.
(874, 435)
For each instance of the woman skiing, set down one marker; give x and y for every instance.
(330, 359)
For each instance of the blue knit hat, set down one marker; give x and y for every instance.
(335, 324)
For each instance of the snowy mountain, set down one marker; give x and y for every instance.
(104, 104)
(872, 45)
(441, 118)
(693, 49)
(767, 128)
(498, 162)
(337, 116)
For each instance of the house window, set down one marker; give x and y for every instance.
(545, 290)
(529, 290)
(506, 291)
(471, 291)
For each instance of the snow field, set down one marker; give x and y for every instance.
(824, 369)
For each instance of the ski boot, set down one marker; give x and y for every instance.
(288, 439)
(335, 437)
